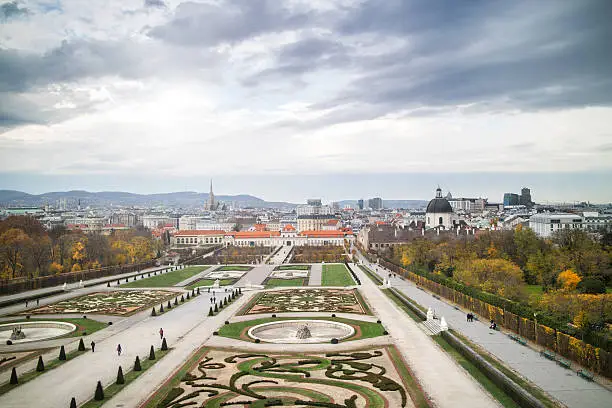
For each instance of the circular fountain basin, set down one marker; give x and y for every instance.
(286, 331)
(36, 331)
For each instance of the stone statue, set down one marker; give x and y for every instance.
(216, 284)
(303, 332)
(430, 314)
(443, 324)
(17, 334)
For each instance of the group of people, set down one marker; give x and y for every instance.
(492, 325)
(120, 349)
(470, 317)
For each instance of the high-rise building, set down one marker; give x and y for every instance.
(360, 203)
(511, 199)
(525, 197)
(375, 203)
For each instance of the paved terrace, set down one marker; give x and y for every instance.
(316, 271)
(562, 384)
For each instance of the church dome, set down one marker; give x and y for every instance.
(439, 205)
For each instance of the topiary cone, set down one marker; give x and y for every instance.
(161, 308)
(210, 311)
(99, 395)
(14, 380)
(73, 403)
(176, 301)
(192, 292)
(168, 306)
(137, 366)
(164, 345)
(198, 292)
(188, 296)
(182, 298)
(120, 379)
(216, 308)
(108, 285)
(152, 353)
(62, 355)
(153, 312)
(81, 345)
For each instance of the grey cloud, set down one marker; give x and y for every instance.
(12, 10)
(155, 3)
(196, 24)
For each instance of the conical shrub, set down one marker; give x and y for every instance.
(120, 379)
(99, 395)
(164, 345)
(198, 291)
(137, 366)
(188, 297)
(153, 312)
(118, 283)
(41, 365)
(108, 284)
(62, 355)
(182, 298)
(216, 308)
(126, 280)
(192, 292)
(161, 308)
(73, 403)
(14, 380)
(210, 311)
(152, 353)
(168, 306)
(81, 345)
(176, 301)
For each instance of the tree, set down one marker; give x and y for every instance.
(78, 253)
(568, 280)
(99, 395)
(137, 366)
(591, 285)
(40, 253)
(13, 245)
(541, 265)
(498, 276)
(120, 378)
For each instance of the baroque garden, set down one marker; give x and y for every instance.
(337, 335)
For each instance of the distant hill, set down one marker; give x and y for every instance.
(178, 199)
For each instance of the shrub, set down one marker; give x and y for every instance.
(226, 322)
(176, 301)
(161, 308)
(110, 323)
(168, 306)
(14, 380)
(198, 292)
(274, 315)
(257, 341)
(9, 342)
(99, 395)
(108, 285)
(152, 353)
(137, 366)
(153, 312)
(182, 298)
(210, 311)
(188, 297)
(333, 315)
(164, 345)
(81, 345)
(216, 308)
(73, 403)
(334, 341)
(216, 333)
(592, 285)
(192, 292)
(62, 354)
(120, 379)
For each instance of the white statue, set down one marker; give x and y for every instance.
(64, 287)
(216, 283)
(81, 283)
(430, 314)
(443, 324)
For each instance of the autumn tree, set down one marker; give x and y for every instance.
(498, 276)
(14, 244)
(568, 280)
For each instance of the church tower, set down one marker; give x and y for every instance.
(211, 198)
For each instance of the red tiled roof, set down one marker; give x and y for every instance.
(288, 228)
(198, 232)
(323, 234)
(259, 227)
(332, 222)
(254, 234)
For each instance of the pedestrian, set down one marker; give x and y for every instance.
(161, 333)
(119, 349)
(26, 303)
(93, 346)
(468, 317)
(37, 300)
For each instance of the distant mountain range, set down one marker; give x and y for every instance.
(106, 198)
(185, 199)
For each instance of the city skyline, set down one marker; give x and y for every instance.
(157, 90)
(553, 188)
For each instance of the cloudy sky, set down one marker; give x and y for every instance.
(361, 97)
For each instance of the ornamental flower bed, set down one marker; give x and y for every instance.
(307, 300)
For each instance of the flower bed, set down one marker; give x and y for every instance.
(307, 300)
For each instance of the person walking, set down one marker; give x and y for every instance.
(161, 333)
(26, 303)
(119, 349)
(93, 346)
(37, 301)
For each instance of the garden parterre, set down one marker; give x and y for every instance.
(120, 303)
(373, 378)
(307, 300)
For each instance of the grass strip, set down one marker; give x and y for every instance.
(164, 390)
(166, 279)
(234, 268)
(364, 304)
(30, 375)
(113, 389)
(336, 275)
(292, 268)
(373, 277)
(210, 282)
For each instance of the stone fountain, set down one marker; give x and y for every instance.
(303, 332)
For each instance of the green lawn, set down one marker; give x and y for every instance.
(166, 279)
(336, 275)
(210, 282)
(234, 268)
(292, 268)
(609, 290)
(274, 282)
(368, 329)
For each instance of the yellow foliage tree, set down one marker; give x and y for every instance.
(56, 268)
(497, 276)
(78, 253)
(76, 267)
(568, 280)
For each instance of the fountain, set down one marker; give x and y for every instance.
(34, 331)
(301, 331)
(17, 334)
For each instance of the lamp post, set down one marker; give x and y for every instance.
(535, 326)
